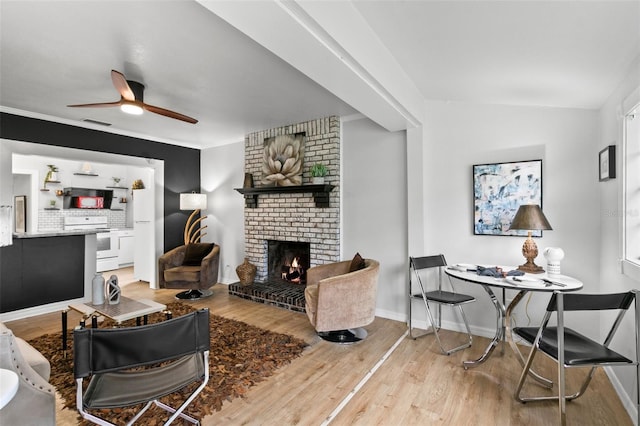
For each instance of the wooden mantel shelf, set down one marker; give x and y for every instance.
(320, 193)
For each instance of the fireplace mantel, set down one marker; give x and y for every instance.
(320, 193)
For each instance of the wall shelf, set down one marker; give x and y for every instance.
(44, 186)
(85, 174)
(320, 193)
(117, 187)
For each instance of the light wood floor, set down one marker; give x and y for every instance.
(416, 384)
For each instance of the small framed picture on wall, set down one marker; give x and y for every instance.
(607, 161)
(20, 205)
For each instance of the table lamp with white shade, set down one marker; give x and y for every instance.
(529, 217)
(196, 202)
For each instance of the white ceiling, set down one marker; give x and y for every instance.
(555, 53)
(56, 53)
(543, 53)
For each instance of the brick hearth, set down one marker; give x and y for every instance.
(276, 293)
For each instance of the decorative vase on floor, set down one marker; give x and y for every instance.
(246, 272)
(112, 290)
(97, 290)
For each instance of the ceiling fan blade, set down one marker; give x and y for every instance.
(169, 113)
(120, 83)
(98, 105)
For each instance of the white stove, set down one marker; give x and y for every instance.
(107, 239)
(78, 223)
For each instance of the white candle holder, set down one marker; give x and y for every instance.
(553, 255)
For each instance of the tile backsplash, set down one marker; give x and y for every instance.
(53, 219)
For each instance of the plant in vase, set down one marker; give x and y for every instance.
(51, 174)
(318, 172)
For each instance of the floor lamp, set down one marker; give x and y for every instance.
(192, 229)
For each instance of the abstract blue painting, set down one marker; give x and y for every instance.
(499, 189)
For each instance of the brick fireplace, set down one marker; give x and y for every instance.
(295, 216)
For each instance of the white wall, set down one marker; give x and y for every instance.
(222, 170)
(459, 135)
(610, 195)
(374, 207)
(456, 136)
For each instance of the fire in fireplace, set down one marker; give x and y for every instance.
(288, 260)
(295, 272)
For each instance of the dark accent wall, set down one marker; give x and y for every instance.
(181, 165)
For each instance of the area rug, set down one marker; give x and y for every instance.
(241, 355)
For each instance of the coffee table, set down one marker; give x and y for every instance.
(125, 310)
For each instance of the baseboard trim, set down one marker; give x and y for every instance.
(625, 398)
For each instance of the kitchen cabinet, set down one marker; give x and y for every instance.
(37, 271)
(126, 247)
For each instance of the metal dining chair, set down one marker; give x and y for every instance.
(438, 296)
(570, 348)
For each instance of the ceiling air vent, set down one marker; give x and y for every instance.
(101, 123)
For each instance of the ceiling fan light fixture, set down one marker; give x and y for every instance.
(131, 108)
(131, 100)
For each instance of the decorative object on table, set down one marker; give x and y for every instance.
(20, 206)
(137, 184)
(246, 272)
(498, 272)
(112, 290)
(530, 218)
(192, 229)
(248, 180)
(607, 163)
(52, 174)
(6, 236)
(282, 160)
(318, 172)
(554, 255)
(97, 289)
(498, 190)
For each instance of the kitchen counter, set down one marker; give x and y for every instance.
(53, 233)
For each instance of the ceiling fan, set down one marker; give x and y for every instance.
(131, 100)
